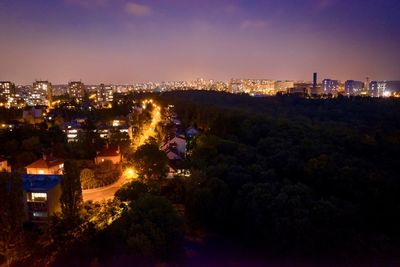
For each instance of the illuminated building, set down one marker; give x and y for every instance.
(7, 91)
(108, 153)
(41, 196)
(375, 89)
(4, 165)
(300, 89)
(76, 90)
(72, 130)
(353, 88)
(330, 87)
(47, 165)
(384, 88)
(366, 87)
(105, 94)
(236, 86)
(42, 94)
(283, 86)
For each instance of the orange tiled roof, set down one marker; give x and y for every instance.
(48, 163)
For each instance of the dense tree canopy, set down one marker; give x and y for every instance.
(295, 175)
(150, 161)
(12, 212)
(71, 197)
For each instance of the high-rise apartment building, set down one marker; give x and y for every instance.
(76, 90)
(330, 87)
(42, 94)
(105, 93)
(7, 91)
(353, 88)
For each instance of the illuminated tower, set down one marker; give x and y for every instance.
(7, 90)
(42, 93)
(366, 86)
(76, 90)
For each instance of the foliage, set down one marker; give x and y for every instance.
(106, 173)
(100, 175)
(71, 197)
(150, 162)
(87, 178)
(151, 227)
(294, 175)
(11, 210)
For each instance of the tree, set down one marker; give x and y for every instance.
(87, 178)
(150, 161)
(106, 173)
(152, 227)
(71, 197)
(132, 191)
(11, 210)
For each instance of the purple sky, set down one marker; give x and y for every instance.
(126, 41)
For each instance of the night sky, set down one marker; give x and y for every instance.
(121, 41)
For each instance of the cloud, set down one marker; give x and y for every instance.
(138, 10)
(88, 3)
(253, 24)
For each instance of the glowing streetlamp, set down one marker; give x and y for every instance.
(130, 173)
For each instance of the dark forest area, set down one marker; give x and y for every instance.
(295, 176)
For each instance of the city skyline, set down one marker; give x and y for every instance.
(122, 42)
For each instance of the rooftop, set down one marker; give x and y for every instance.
(48, 162)
(39, 183)
(108, 152)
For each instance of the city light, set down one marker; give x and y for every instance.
(386, 94)
(130, 173)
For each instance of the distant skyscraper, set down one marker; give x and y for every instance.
(330, 87)
(7, 91)
(76, 90)
(315, 84)
(366, 86)
(353, 88)
(392, 88)
(384, 88)
(105, 93)
(373, 89)
(42, 93)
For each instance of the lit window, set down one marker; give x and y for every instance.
(40, 171)
(39, 214)
(39, 196)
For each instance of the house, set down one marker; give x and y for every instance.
(110, 153)
(48, 165)
(33, 115)
(41, 196)
(177, 143)
(4, 165)
(173, 154)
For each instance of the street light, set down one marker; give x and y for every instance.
(130, 173)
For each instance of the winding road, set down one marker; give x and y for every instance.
(107, 192)
(104, 193)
